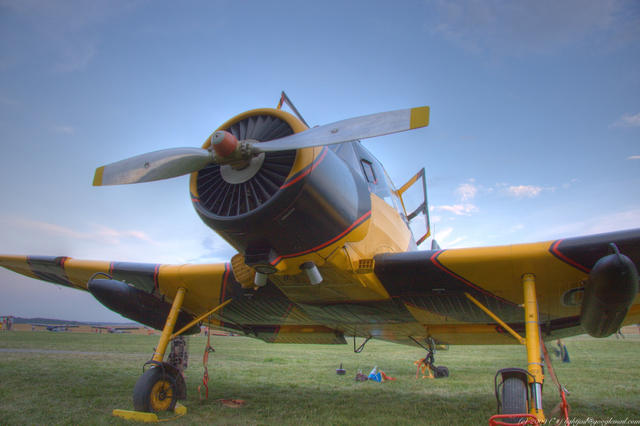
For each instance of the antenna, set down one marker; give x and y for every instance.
(285, 99)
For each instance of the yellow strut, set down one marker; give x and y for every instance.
(158, 355)
(496, 319)
(200, 318)
(532, 328)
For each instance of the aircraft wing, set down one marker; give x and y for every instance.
(267, 315)
(433, 284)
(204, 283)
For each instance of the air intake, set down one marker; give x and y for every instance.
(228, 192)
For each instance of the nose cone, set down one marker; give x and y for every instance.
(224, 143)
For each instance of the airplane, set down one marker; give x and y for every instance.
(325, 250)
(55, 327)
(115, 330)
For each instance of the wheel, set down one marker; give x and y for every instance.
(441, 372)
(155, 391)
(514, 397)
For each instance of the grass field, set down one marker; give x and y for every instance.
(54, 378)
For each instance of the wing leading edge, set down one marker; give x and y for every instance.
(432, 284)
(267, 315)
(427, 292)
(204, 283)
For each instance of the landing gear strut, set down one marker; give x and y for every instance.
(521, 390)
(427, 363)
(157, 389)
(162, 385)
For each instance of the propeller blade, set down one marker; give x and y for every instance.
(151, 166)
(367, 126)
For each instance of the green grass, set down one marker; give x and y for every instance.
(297, 384)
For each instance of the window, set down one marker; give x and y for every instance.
(367, 167)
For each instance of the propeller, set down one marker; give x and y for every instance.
(226, 149)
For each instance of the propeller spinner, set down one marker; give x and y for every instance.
(226, 148)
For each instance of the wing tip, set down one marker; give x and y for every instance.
(419, 117)
(97, 178)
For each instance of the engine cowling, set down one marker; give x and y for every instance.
(265, 208)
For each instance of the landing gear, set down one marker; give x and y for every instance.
(512, 392)
(521, 390)
(514, 396)
(427, 363)
(162, 385)
(155, 391)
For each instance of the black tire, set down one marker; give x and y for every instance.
(441, 372)
(155, 391)
(514, 397)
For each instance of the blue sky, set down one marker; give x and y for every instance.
(534, 134)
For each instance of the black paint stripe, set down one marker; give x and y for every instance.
(463, 280)
(49, 268)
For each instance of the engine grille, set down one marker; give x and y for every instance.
(225, 199)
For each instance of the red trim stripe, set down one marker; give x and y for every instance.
(308, 170)
(554, 250)
(323, 245)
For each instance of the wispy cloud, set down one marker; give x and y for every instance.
(609, 222)
(63, 33)
(467, 191)
(99, 233)
(524, 191)
(458, 209)
(214, 250)
(442, 237)
(65, 130)
(521, 28)
(634, 157)
(443, 234)
(569, 184)
(74, 55)
(8, 101)
(628, 120)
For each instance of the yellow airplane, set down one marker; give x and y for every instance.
(325, 251)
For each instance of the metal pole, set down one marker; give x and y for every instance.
(200, 318)
(158, 355)
(534, 358)
(495, 317)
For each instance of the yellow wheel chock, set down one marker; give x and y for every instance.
(141, 416)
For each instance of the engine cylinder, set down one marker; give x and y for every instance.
(609, 292)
